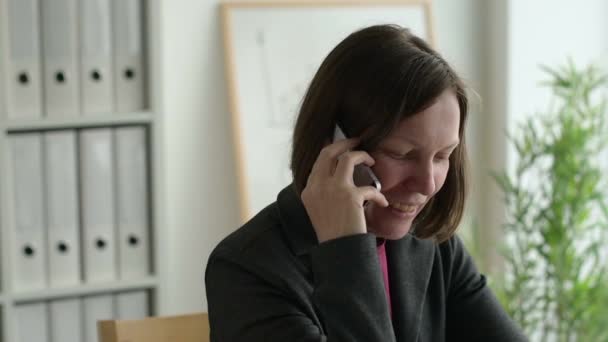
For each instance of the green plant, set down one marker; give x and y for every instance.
(555, 283)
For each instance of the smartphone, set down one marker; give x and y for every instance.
(363, 174)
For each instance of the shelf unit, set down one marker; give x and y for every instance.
(85, 290)
(137, 118)
(149, 117)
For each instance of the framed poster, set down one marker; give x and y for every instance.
(272, 50)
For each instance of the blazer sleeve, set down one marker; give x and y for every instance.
(473, 312)
(246, 305)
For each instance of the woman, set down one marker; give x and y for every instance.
(331, 261)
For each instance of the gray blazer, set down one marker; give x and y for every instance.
(271, 281)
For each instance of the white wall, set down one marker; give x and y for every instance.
(200, 190)
(548, 32)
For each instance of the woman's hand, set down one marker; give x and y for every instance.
(332, 201)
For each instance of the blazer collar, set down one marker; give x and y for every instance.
(410, 263)
(295, 221)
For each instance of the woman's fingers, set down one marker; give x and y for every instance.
(333, 203)
(347, 162)
(369, 193)
(326, 162)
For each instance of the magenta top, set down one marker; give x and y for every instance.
(384, 268)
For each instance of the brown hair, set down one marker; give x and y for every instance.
(367, 84)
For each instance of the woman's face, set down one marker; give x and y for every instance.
(412, 164)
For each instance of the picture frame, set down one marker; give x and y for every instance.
(272, 50)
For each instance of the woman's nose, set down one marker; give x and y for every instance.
(423, 181)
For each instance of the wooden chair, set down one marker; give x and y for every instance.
(184, 328)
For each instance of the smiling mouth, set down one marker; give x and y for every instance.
(404, 208)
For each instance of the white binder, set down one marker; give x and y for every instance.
(98, 307)
(132, 199)
(62, 208)
(96, 57)
(60, 57)
(24, 85)
(132, 305)
(30, 248)
(32, 323)
(66, 320)
(128, 55)
(97, 184)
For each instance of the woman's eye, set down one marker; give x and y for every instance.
(442, 157)
(399, 156)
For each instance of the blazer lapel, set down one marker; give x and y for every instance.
(410, 262)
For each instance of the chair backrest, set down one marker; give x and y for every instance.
(184, 328)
